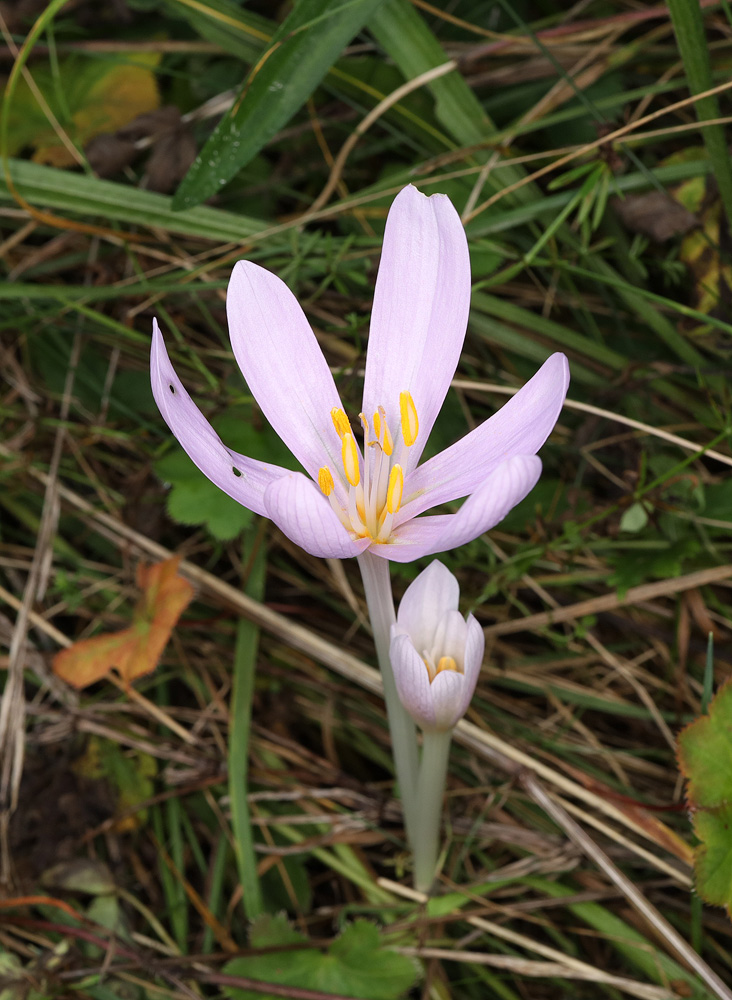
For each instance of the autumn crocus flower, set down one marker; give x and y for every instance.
(436, 654)
(356, 497)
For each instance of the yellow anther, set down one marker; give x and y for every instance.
(340, 422)
(394, 490)
(410, 422)
(377, 425)
(447, 663)
(365, 425)
(325, 480)
(349, 452)
(388, 443)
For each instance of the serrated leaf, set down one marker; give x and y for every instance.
(705, 754)
(705, 759)
(356, 965)
(300, 53)
(713, 857)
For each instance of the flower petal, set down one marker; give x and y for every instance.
(244, 479)
(449, 639)
(520, 427)
(472, 662)
(426, 600)
(420, 311)
(412, 680)
(283, 365)
(448, 695)
(302, 513)
(504, 488)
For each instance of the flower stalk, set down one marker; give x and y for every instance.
(428, 814)
(377, 587)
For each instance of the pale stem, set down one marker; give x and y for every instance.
(377, 586)
(430, 792)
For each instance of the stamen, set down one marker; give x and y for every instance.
(365, 425)
(349, 452)
(410, 421)
(340, 422)
(325, 480)
(377, 424)
(387, 443)
(394, 490)
(447, 663)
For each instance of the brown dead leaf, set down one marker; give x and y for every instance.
(135, 650)
(654, 214)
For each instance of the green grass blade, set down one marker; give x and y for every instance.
(66, 191)
(300, 54)
(245, 662)
(688, 24)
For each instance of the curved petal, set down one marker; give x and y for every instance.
(503, 489)
(426, 600)
(520, 427)
(283, 365)
(472, 662)
(450, 636)
(448, 694)
(412, 680)
(420, 311)
(244, 479)
(302, 513)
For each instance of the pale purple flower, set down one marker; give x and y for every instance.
(436, 654)
(354, 498)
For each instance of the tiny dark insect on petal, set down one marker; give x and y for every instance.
(172, 389)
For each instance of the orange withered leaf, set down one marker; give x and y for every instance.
(135, 650)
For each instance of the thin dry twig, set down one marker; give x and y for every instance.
(632, 893)
(568, 963)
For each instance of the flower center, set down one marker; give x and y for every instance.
(444, 663)
(370, 485)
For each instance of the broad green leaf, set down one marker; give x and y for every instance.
(705, 759)
(193, 499)
(713, 856)
(705, 754)
(301, 52)
(355, 965)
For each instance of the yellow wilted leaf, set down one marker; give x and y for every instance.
(87, 97)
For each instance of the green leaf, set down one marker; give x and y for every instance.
(92, 198)
(223, 22)
(713, 857)
(301, 52)
(355, 965)
(634, 519)
(705, 759)
(193, 499)
(705, 754)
